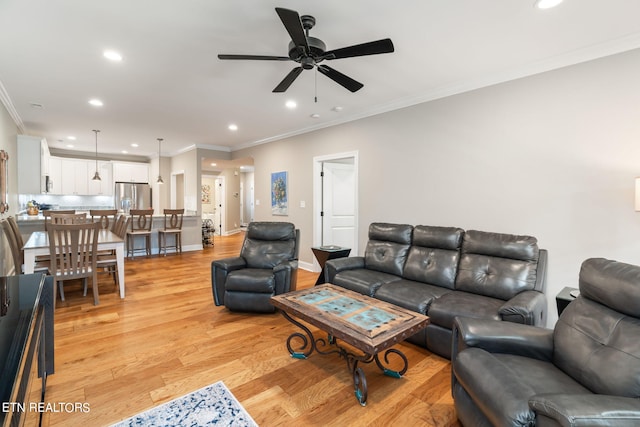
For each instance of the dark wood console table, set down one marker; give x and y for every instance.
(26, 346)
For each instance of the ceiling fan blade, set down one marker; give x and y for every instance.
(256, 57)
(370, 48)
(286, 82)
(345, 81)
(293, 24)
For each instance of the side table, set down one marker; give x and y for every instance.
(564, 298)
(325, 253)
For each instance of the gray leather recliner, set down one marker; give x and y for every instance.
(584, 372)
(267, 266)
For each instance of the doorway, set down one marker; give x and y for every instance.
(177, 190)
(335, 189)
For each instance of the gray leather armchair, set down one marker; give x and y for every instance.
(584, 372)
(267, 266)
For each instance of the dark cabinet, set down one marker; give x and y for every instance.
(26, 347)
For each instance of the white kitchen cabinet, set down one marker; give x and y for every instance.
(74, 177)
(130, 172)
(29, 164)
(70, 176)
(104, 187)
(55, 175)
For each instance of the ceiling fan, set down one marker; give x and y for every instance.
(309, 52)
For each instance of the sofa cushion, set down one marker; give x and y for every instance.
(251, 280)
(444, 310)
(497, 265)
(415, 296)
(363, 281)
(593, 342)
(501, 384)
(433, 256)
(387, 247)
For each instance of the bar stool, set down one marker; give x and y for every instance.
(106, 217)
(141, 221)
(172, 226)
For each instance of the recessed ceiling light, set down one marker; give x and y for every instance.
(547, 4)
(291, 104)
(315, 116)
(112, 55)
(96, 102)
(71, 138)
(233, 127)
(134, 145)
(125, 152)
(337, 109)
(36, 105)
(69, 145)
(214, 164)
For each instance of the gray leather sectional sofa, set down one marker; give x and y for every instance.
(445, 272)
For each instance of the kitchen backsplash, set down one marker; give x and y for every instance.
(67, 202)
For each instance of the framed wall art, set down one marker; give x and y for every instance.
(279, 193)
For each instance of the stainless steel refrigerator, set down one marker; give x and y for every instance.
(132, 195)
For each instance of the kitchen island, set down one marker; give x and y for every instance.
(191, 229)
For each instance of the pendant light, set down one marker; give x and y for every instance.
(159, 180)
(96, 177)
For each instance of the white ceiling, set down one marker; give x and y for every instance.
(171, 85)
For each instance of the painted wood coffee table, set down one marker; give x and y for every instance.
(367, 324)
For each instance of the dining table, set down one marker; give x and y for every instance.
(38, 244)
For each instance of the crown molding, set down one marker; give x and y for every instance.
(6, 101)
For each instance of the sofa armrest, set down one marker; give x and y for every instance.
(219, 270)
(285, 273)
(587, 409)
(335, 266)
(496, 336)
(527, 307)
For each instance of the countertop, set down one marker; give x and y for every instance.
(23, 217)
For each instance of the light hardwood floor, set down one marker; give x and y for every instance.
(166, 339)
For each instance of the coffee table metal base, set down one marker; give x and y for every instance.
(309, 344)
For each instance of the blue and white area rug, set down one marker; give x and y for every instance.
(213, 405)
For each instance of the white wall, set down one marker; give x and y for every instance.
(553, 156)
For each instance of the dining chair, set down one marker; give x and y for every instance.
(106, 260)
(16, 245)
(141, 221)
(72, 248)
(13, 246)
(71, 218)
(172, 227)
(47, 215)
(106, 217)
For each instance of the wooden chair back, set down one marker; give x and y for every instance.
(13, 246)
(173, 219)
(120, 225)
(106, 217)
(74, 218)
(47, 215)
(71, 248)
(141, 220)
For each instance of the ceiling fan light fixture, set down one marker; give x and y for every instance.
(547, 4)
(96, 176)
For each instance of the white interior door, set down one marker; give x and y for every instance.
(339, 203)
